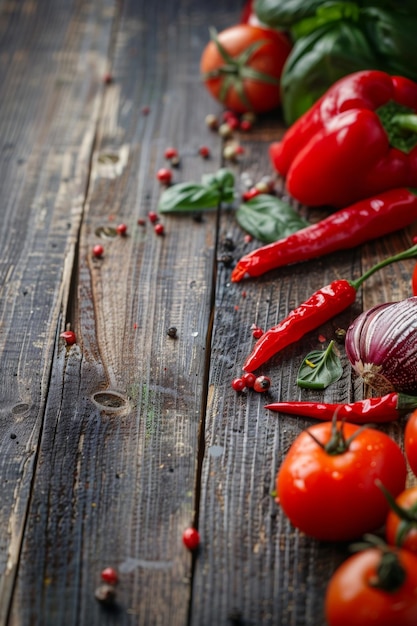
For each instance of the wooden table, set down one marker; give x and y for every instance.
(111, 447)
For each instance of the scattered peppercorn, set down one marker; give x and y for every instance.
(110, 576)
(170, 153)
(238, 384)
(204, 151)
(191, 538)
(250, 193)
(69, 337)
(340, 334)
(245, 125)
(228, 243)
(107, 78)
(261, 384)
(145, 110)
(98, 251)
(172, 332)
(225, 130)
(164, 175)
(249, 379)
(256, 331)
(106, 594)
(159, 229)
(121, 229)
(226, 259)
(211, 122)
(153, 217)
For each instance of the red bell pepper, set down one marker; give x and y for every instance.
(358, 139)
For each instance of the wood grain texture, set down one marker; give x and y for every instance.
(110, 448)
(49, 112)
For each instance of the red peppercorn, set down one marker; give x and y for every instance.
(69, 337)
(171, 153)
(262, 383)
(164, 175)
(256, 331)
(204, 151)
(145, 110)
(121, 229)
(98, 251)
(191, 538)
(247, 238)
(238, 384)
(250, 193)
(110, 576)
(233, 122)
(226, 115)
(245, 125)
(249, 379)
(153, 217)
(159, 229)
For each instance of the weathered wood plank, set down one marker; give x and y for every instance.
(116, 487)
(49, 112)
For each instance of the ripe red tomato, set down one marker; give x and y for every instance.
(234, 83)
(352, 600)
(333, 496)
(398, 530)
(410, 441)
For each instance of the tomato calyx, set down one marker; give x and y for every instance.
(236, 69)
(390, 574)
(408, 517)
(337, 444)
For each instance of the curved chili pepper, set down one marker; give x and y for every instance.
(347, 228)
(319, 308)
(358, 139)
(379, 410)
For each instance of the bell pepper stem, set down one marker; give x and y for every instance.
(405, 121)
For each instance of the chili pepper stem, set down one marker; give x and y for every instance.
(406, 254)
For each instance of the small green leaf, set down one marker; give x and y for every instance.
(320, 369)
(183, 197)
(268, 218)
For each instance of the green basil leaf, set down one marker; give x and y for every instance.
(283, 13)
(320, 369)
(188, 197)
(213, 189)
(268, 218)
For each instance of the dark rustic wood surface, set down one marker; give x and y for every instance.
(109, 449)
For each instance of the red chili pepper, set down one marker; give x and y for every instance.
(379, 410)
(358, 139)
(347, 228)
(414, 281)
(319, 308)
